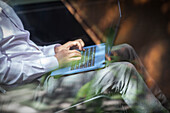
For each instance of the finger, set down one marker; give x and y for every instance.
(74, 53)
(68, 45)
(73, 44)
(81, 42)
(78, 44)
(74, 59)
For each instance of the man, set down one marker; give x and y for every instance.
(32, 61)
(22, 61)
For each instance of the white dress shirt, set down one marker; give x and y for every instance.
(21, 60)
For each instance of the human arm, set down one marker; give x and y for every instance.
(55, 48)
(65, 54)
(21, 61)
(25, 66)
(49, 50)
(24, 71)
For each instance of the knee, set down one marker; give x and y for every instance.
(127, 71)
(127, 65)
(124, 74)
(121, 65)
(122, 69)
(130, 70)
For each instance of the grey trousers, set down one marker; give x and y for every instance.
(124, 74)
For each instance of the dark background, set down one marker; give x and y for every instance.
(50, 23)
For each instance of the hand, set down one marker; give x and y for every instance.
(77, 44)
(65, 55)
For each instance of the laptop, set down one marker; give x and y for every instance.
(93, 57)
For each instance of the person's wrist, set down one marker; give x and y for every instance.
(56, 56)
(56, 47)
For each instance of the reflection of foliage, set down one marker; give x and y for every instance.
(84, 92)
(87, 93)
(113, 59)
(96, 103)
(110, 35)
(111, 103)
(44, 77)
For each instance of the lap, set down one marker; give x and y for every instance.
(105, 77)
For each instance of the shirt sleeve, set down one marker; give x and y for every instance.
(48, 50)
(19, 72)
(20, 59)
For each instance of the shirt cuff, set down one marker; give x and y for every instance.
(49, 63)
(49, 50)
